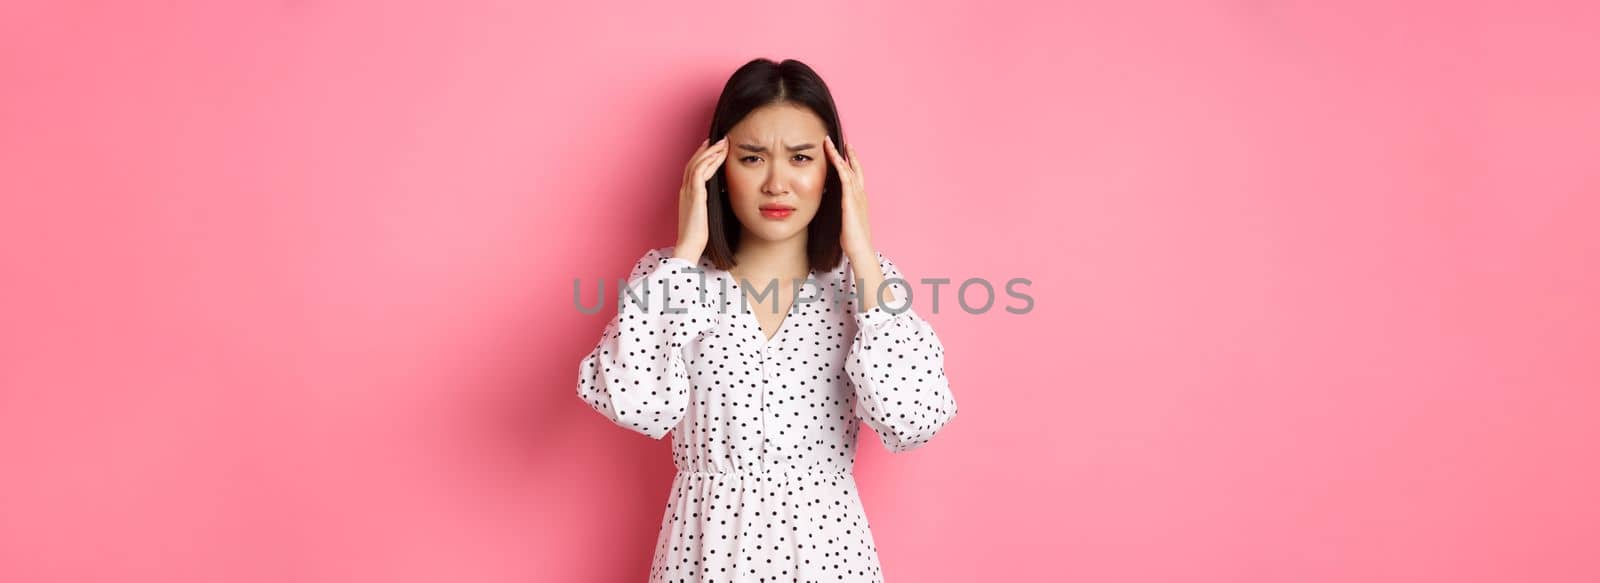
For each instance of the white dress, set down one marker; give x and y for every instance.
(764, 431)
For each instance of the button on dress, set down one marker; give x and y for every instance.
(764, 430)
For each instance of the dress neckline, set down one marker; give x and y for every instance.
(746, 309)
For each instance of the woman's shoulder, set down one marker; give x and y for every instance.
(653, 257)
(846, 268)
(844, 275)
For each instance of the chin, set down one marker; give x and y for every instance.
(771, 235)
(770, 232)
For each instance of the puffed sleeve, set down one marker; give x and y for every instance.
(636, 375)
(896, 366)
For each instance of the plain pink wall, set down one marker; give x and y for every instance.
(287, 285)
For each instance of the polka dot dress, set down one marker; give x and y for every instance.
(764, 430)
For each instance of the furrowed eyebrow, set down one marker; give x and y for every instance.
(763, 149)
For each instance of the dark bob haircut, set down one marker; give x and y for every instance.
(758, 83)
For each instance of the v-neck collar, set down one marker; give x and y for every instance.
(746, 308)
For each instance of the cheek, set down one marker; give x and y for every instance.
(811, 180)
(742, 180)
(816, 181)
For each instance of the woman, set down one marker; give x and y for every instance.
(764, 401)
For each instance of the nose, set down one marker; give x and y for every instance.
(777, 182)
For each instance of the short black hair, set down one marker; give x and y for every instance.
(758, 83)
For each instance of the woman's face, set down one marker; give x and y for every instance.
(775, 160)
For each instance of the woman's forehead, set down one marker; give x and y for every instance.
(773, 122)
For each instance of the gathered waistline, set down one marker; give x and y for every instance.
(764, 472)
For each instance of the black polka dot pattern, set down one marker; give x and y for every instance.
(764, 430)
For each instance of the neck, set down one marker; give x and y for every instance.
(758, 258)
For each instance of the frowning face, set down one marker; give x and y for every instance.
(776, 170)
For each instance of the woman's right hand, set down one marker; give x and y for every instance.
(693, 232)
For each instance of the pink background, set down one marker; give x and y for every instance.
(287, 286)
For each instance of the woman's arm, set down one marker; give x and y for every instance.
(636, 375)
(896, 365)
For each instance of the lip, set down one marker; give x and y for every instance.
(776, 211)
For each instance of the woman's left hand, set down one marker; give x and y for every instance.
(854, 236)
